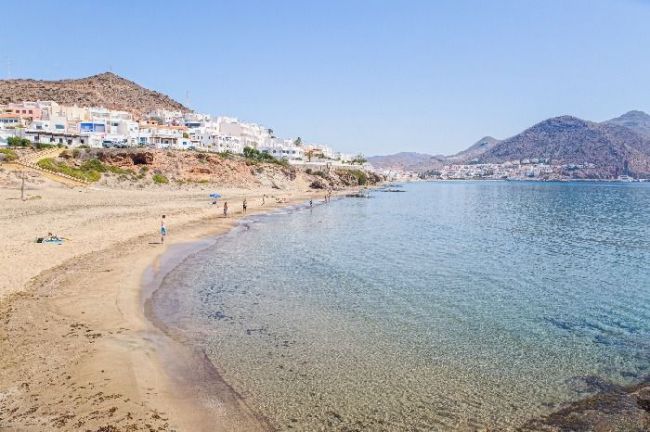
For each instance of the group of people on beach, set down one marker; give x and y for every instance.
(163, 227)
(244, 207)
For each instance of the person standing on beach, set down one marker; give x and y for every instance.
(163, 230)
(311, 203)
(263, 199)
(244, 205)
(225, 209)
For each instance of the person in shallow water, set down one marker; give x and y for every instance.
(163, 229)
(244, 205)
(225, 209)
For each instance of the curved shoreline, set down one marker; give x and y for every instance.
(189, 368)
(80, 353)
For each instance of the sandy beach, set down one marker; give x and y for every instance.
(78, 350)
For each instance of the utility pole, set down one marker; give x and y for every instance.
(22, 187)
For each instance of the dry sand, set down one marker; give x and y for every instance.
(76, 350)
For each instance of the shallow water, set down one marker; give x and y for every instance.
(451, 306)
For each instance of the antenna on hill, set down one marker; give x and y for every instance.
(187, 98)
(8, 68)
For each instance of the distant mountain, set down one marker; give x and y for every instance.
(638, 121)
(107, 89)
(620, 146)
(614, 149)
(407, 161)
(476, 150)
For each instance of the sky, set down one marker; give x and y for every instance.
(375, 77)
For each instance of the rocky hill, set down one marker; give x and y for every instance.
(613, 149)
(638, 121)
(620, 146)
(407, 161)
(107, 89)
(475, 151)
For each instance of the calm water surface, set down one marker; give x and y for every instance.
(450, 306)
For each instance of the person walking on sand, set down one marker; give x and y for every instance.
(225, 209)
(163, 230)
(244, 205)
(263, 199)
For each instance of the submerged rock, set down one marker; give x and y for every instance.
(617, 409)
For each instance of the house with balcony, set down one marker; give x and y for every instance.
(163, 136)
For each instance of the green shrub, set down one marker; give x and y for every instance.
(94, 165)
(41, 146)
(9, 155)
(79, 173)
(359, 159)
(160, 179)
(361, 177)
(118, 170)
(15, 141)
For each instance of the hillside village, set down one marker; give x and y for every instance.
(50, 123)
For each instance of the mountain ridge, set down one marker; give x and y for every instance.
(105, 89)
(620, 146)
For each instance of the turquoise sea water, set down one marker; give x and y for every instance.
(452, 306)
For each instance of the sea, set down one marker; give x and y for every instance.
(445, 306)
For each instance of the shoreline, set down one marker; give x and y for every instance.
(82, 353)
(188, 368)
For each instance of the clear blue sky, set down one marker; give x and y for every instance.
(370, 76)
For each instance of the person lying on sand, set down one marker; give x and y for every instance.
(50, 238)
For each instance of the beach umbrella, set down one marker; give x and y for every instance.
(215, 195)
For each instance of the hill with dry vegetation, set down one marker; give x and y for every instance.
(107, 89)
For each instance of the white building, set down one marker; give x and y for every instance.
(283, 149)
(162, 136)
(54, 137)
(249, 134)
